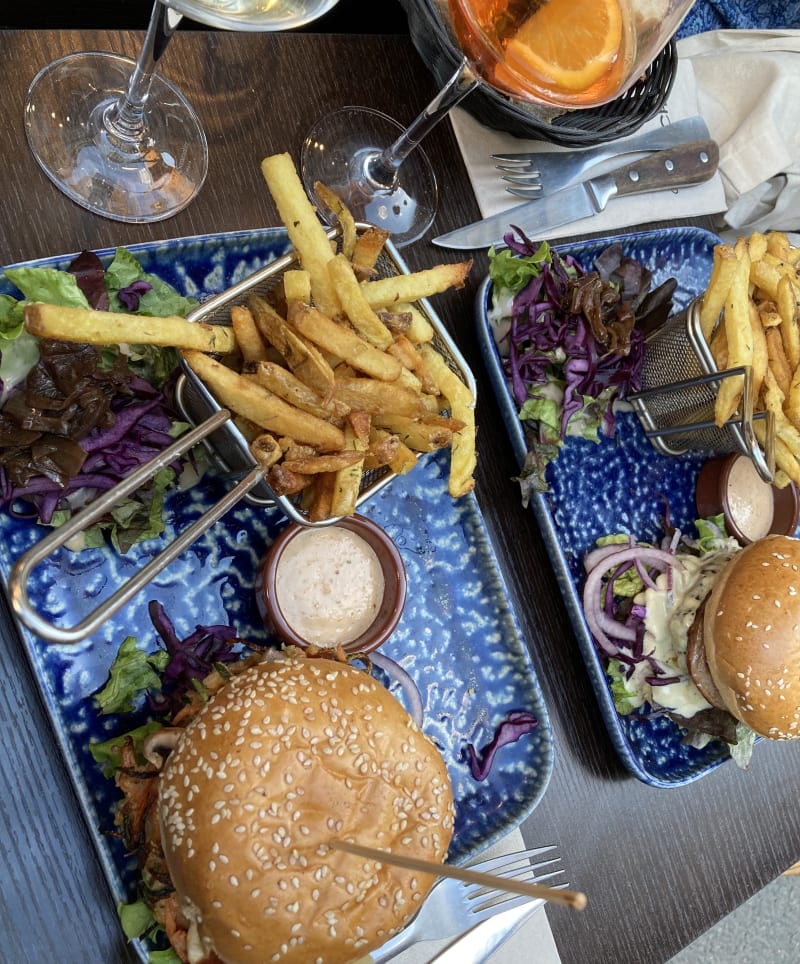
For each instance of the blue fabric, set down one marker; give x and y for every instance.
(741, 15)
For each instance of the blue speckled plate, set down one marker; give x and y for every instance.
(618, 485)
(458, 637)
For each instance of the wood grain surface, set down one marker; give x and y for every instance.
(658, 866)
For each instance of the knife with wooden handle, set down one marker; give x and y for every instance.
(668, 169)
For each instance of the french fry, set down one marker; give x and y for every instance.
(342, 214)
(420, 330)
(416, 434)
(92, 327)
(355, 306)
(243, 396)
(760, 349)
(791, 404)
(317, 464)
(296, 287)
(789, 327)
(304, 359)
(372, 395)
(757, 246)
(463, 457)
(283, 383)
(402, 288)
(248, 337)
(766, 275)
(778, 363)
(778, 245)
(723, 269)
(319, 504)
(403, 460)
(740, 340)
(348, 480)
(305, 230)
(367, 250)
(345, 344)
(284, 482)
(266, 450)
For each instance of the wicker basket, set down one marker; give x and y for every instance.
(576, 128)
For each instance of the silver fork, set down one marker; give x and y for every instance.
(453, 907)
(535, 175)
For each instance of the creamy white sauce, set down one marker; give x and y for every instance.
(668, 619)
(329, 585)
(750, 499)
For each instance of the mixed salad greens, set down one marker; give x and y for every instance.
(571, 340)
(75, 419)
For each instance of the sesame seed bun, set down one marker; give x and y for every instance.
(751, 632)
(287, 756)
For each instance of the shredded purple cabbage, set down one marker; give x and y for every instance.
(191, 658)
(142, 429)
(515, 725)
(544, 338)
(132, 295)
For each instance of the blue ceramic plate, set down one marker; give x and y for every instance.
(618, 485)
(458, 638)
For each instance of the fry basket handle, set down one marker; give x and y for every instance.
(22, 568)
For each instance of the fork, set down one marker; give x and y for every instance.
(453, 907)
(535, 175)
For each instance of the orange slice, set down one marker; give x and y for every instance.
(570, 43)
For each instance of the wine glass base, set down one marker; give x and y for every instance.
(336, 152)
(147, 179)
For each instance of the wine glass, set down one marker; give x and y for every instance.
(121, 140)
(560, 54)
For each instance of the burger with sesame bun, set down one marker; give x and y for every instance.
(744, 649)
(289, 755)
(703, 630)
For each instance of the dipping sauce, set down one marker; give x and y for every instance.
(329, 585)
(750, 499)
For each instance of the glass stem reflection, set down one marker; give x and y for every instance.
(382, 168)
(125, 118)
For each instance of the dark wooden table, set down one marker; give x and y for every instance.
(659, 866)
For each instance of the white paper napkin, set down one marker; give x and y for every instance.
(532, 943)
(747, 91)
(478, 143)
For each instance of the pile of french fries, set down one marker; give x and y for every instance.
(333, 374)
(749, 317)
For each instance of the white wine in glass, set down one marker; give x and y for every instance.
(566, 54)
(120, 139)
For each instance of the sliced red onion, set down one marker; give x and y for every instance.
(600, 624)
(399, 675)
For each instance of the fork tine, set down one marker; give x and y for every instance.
(528, 873)
(526, 192)
(521, 167)
(507, 860)
(523, 180)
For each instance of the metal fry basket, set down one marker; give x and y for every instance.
(214, 427)
(680, 381)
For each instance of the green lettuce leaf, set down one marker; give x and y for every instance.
(161, 300)
(106, 753)
(511, 271)
(48, 284)
(132, 673)
(626, 696)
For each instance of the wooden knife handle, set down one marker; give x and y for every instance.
(675, 167)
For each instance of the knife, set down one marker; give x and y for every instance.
(689, 164)
(481, 941)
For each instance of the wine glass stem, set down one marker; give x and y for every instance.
(125, 118)
(382, 168)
